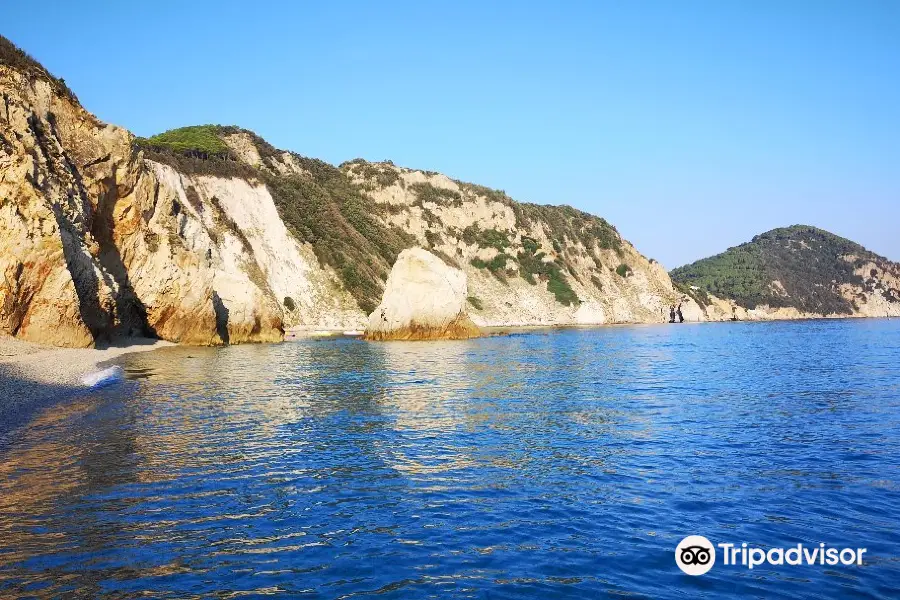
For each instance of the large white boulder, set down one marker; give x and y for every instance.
(424, 299)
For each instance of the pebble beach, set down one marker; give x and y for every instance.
(32, 372)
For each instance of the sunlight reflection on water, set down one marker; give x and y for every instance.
(531, 465)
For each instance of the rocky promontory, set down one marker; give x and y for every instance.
(796, 272)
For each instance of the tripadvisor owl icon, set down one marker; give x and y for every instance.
(695, 555)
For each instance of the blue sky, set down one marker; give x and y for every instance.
(691, 126)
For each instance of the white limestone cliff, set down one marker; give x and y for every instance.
(98, 242)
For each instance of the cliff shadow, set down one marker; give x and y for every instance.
(84, 277)
(67, 203)
(132, 312)
(129, 311)
(221, 317)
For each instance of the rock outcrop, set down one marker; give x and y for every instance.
(209, 235)
(98, 242)
(424, 299)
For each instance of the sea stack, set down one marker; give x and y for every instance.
(424, 299)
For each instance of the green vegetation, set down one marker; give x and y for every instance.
(559, 287)
(807, 261)
(486, 238)
(699, 295)
(15, 58)
(497, 265)
(530, 245)
(199, 150)
(323, 206)
(191, 165)
(492, 195)
(623, 270)
(433, 238)
(566, 226)
(532, 267)
(199, 141)
(425, 192)
(476, 302)
(561, 223)
(383, 174)
(327, 210)
(431, 218)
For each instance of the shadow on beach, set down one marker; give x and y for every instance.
(33, 377)
(22, 398)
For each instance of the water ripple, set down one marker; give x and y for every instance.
(548, 465)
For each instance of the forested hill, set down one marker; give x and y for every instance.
(800, 266)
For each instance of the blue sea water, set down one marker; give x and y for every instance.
(556, 464)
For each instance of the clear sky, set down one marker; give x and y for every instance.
(691, 126)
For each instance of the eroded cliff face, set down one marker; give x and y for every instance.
(525, 264)
(101, 239)
(98, 242)
(60, 170)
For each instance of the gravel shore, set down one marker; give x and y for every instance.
(30, 373)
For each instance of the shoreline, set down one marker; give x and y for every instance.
(63, 366)
(306, 332)
(31, 373)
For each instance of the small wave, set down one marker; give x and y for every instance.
(103, 378)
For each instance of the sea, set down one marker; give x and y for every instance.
(561, 463)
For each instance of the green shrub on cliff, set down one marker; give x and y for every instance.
(199, 141)
(200, 150)
(559, 287)
(531, 264)
(426, 192)
(496, 265)
(560, 223)
(380, 174)
(486, 238)
(327, 210)
(323, 206)
(15, 58)
(532, 267)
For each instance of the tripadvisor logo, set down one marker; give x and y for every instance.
(696, 555)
